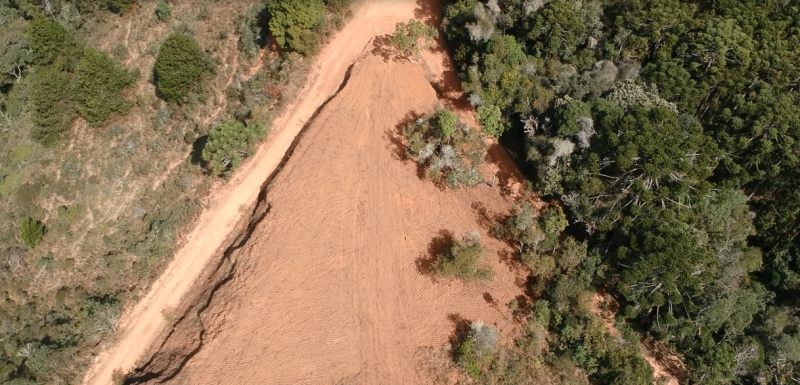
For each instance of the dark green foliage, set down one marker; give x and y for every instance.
(53, 108)
(179, 66)
(462, 260)
(685, 179)
(229, 143)
(31, 232)
(163, 10)
(121, 6)
(409, 38)
(292, 23)
(52, 44)
(557, 30)
(100, 82)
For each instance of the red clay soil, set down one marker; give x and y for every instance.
(333, 283)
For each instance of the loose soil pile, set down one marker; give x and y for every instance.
(333, 283)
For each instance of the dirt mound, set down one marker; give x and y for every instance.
(332, 285)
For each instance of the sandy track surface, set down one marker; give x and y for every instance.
(140, 327)
(331, 285)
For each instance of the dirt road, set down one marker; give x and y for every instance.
(140, 327)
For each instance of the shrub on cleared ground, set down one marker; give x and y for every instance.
(229, 143)
(462, 260)
(477, 349)
(409, 38)
(449, 149)
(179, 66)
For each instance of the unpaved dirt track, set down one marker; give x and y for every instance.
(140, 327)
(329, 286)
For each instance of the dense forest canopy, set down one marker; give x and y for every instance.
(669, 132)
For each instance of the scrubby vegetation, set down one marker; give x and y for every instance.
(665, 130)
(229, 143)
(477, 348)
(448, 149)
(409, 38)
(31, 232)
(462, 260)
(163, 10)
(89, 155)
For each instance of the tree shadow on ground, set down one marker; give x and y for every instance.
(491, 222)
(507, 171)
(381, 46)
(667, 358)
(437, 246)
(197, 151)
(431, 12)
(460, 331)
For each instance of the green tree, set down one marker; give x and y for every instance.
(15, 55)
(31, 232)
(100, 82)
(53, 109)
(490, 118)
(292, 23)
(52, 44)
(409, 38)
(447, 121)
(179, 66)
(229, 143)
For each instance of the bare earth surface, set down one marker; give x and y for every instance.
(141, 326)
(332, 285)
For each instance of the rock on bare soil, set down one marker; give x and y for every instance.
(332, 284)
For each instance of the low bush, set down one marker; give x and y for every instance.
(163, 10)
(477, 349)
(449, 149)
(253, 29)
(31, 232)
(462, 260)
(229, 143)
(120, 6)
(409, 38)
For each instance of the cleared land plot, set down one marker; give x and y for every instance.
(333, 282)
